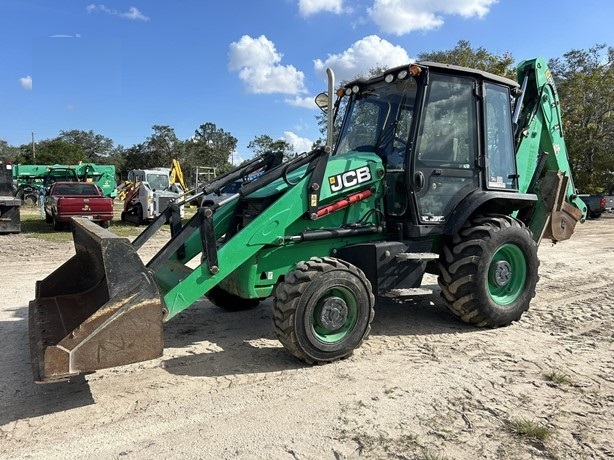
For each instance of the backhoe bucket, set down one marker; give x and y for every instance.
(100, 309)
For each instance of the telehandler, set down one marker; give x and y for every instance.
(436, 169)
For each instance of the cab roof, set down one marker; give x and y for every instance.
(444, 68)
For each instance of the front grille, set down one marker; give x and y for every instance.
(163, 202)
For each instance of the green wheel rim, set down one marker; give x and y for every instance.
(507, 274)
(334, 315)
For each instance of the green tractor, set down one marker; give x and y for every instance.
(436, 169)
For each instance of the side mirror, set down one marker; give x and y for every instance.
(321, 101)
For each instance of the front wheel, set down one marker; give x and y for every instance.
(489, 270)
(323, 310)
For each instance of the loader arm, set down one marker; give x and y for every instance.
(281, 224)
(105, 308)
(542, 157)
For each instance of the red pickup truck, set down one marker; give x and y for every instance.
(77, 199)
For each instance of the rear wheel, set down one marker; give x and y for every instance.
(57, 225)
(230, 302)
(488, 272)
(323, 310)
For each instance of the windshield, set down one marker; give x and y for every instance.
(158, 181)
(379, 120)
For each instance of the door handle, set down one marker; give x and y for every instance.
(419, 181)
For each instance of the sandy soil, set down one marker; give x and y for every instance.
(423, 386)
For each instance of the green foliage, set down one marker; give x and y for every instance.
(8, 153)
(58, 151)
(530, 429)
(210, 146)
(466, 56)
(95, 147)
(265, 143)
(585, 82)
(558, 378)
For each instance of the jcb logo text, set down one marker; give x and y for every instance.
(349, 178)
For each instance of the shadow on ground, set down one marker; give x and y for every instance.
(20, 397)
(236, 343)
(245, 342)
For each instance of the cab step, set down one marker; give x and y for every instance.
(411, 292)
(416, 256)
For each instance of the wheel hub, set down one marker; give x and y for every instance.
(501, 273)
(333, 314)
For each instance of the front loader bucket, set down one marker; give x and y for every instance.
(100, 309)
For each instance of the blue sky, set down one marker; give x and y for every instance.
(251, 67)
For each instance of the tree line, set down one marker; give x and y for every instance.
(209, 146)
(584, 79)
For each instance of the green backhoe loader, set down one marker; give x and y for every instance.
(436, 169)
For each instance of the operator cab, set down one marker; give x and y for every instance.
(442, 132)
(156, 179)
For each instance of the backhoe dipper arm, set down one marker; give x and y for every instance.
(541, 156)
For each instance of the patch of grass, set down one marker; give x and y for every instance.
(531, 429)
(34, 226)
(558, 378)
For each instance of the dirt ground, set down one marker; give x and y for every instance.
(423, 386)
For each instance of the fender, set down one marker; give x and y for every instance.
(486, 201)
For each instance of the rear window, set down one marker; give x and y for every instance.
(75, 189)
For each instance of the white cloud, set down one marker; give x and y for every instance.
(300, 144)
(65, 36)
(309, 7)
(304, 102)
(259, 67)
(361, 57)
(401, 17)
(26, 82)
(133, 13)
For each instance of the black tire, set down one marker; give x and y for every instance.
(230, 302)
(104, 223)
(489, 270)
(139, 214)
(57, 225)
(48, 218)
(323, 310)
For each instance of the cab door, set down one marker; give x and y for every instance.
(444, 168)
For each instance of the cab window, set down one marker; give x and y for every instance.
(501, 165)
